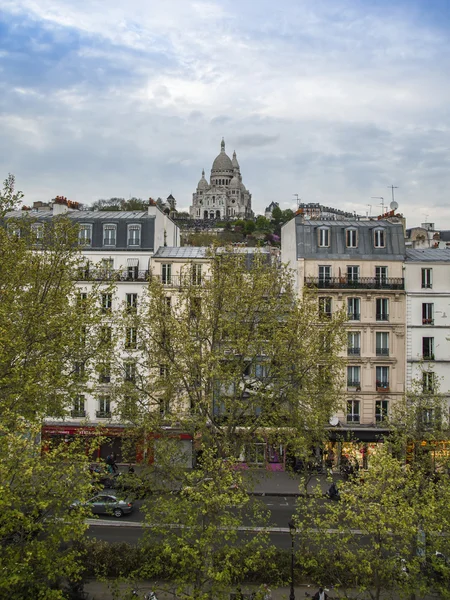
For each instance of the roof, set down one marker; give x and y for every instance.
(307, 240)
(428, 255)
(85, 215)
(186, 252)
(445, 235)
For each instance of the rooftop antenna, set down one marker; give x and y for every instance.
(298, 200)
(426, 217)
(381, 204)
(392, 188)
(369, 212)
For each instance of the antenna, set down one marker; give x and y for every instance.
(393, 187)
(369, 213)
(298, 200)
(381, 204)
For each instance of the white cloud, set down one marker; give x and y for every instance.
(331, 100)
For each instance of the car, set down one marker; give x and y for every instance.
(105, 504)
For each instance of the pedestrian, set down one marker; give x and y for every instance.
(267, 593)
(333, 492)
(320, 595)
(114, 465)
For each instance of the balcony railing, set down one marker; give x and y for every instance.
(102, 414)
(78, 414)
(353, 384)
(382, 351)
(427, 321)
(353, 351)
(362, 283)
(111, 275)
(428, 356)
(353, 316)
(352, 418)
(382, 316)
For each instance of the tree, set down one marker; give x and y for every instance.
(47, 329)
(117, 204)
(263, 224)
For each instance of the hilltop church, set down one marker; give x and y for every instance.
(225, 196)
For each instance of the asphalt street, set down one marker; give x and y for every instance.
(128, 529)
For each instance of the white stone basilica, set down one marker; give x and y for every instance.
(225, 196)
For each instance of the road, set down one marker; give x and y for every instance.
(128, 529)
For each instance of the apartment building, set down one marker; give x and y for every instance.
(117, 248)
(357, 265)
(427, 278)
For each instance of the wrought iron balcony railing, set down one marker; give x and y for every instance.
(78, 414)
(102, 414)
(353, 351)
(382, 351)
(111, 275)
(362, 283)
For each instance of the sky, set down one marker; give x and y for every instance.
(332, 100)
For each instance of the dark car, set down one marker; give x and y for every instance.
(106, 504)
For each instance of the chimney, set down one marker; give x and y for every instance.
(59, 205)
(152, 207)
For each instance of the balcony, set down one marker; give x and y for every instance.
(353, 351)
(362, 283)
(382, 351)
(78, 414)
(111, 275)
(354, 385)
(102, 414)
(353, 316)
(382, 386)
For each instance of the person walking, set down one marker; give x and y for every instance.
(320, 595)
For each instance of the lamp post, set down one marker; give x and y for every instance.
(292, 531)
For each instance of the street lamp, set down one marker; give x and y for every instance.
(292, 531)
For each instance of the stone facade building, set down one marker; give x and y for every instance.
(225, 196)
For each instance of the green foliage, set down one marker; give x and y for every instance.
(263, 224)
(116, 204)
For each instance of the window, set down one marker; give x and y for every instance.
(428, 348)
(104, 373)
(195, 307)
(378, 238)
(382, 309)
(354, 377)
(381, 274)
(104, 407)
(350, 238)
(134, 235)
(78, 410)
(382, 343)
(106, 303)
(37, 231)
(85, 234)
(105, 335)
(196, 274)
(131, 338)
(381, 410)
(353, 411)
(79, 369)
(354, 309)
(133, 268)
(324, 237)
(131, 303)
(427, 313)
(261, 371)
(163, 371)
(166, 273)
(352, 274)
(130, 372)
(109, 235)
(354, 343)
(81, 300)
(324, 275)
(427, 278)
(106, 266)
(428, 382)
(13, 230)
(382, 375)
(325, 307)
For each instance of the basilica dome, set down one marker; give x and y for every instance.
(222, 163)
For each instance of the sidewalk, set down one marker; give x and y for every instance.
(98, 590)
(280, 483)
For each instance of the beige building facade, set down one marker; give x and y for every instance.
(358, 266)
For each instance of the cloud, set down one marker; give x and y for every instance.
(333, 101)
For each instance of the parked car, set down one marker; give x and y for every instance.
(105, 504)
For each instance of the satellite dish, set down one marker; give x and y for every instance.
(334, 421)
(394, 205)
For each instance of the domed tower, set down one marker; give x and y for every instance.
(225, 196)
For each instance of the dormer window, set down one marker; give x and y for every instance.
(324, 237)
(134, 235)
(109, 235)
(351, 239)
(379, 238)
(85, 234)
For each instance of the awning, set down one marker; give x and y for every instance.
(133, 262)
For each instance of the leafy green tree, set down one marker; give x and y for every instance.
(249, 227)
(263, 224)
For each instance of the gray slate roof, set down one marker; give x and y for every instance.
(185, 252)
(428, 255)
(307, 240)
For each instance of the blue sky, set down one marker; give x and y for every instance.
(333, 100)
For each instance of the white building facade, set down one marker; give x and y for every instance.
(427, 277)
